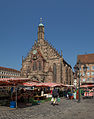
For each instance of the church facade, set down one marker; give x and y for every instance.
(45, 64)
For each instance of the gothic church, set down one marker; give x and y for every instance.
(45, 64)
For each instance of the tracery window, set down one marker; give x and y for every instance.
(40, 67)
(34, 66)
(54, 72)
(66, 75)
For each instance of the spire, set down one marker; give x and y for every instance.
(40, 31)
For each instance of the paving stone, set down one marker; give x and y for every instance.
(67, 109)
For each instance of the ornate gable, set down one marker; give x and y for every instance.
(47, 51)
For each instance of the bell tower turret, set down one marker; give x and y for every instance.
(40, 31)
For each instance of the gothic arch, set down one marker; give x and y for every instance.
(34, 65)
(54, 72)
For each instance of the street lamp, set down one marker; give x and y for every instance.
(77, 69)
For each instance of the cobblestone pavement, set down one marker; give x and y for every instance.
(67, 109)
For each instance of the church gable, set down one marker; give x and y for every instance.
(47, 50)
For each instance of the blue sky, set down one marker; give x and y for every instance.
(69, 26)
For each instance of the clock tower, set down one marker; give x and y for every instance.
(40, 31)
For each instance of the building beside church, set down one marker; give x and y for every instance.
(9, 73)
(45, 64)
(88, 60)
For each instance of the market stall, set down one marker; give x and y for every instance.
(88, 90)
(41, 94)
(13, 83)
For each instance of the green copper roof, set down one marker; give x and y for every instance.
(41, 24)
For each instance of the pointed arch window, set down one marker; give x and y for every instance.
(40, 67)
(66, 75)
(54, 72)
(34, 66)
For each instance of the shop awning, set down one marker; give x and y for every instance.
(42, 84)
(31, 84)
(13, 81)
(87, 86)
(66, 85)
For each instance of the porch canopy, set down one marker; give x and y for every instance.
(87, 86)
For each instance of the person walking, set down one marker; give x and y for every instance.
(54, 95)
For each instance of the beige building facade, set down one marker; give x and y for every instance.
(88, 60)
(9, 73)
(45, 64)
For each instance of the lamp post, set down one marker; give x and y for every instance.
(77, 70)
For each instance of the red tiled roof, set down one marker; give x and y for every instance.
(9, 69)
(88, 58)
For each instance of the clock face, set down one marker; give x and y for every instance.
(34, 51)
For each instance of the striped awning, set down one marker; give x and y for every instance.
(13, 81)
(42, 84)
(87, 86)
